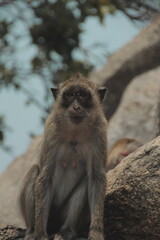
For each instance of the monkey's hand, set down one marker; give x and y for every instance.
(95, 235)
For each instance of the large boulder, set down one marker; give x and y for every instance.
(137, 114)
(138, 56)
(132, 204)
(11, 180)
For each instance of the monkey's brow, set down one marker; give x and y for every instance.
(78, 88)
(77, 91)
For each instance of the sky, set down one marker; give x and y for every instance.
(116, 31)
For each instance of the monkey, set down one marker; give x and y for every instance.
(63, 194)
(122, 148)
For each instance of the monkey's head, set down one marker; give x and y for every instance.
(78, 97)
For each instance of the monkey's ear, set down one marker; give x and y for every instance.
(54, 92)
(102, 92)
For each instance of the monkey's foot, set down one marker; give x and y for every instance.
(29, 237)
(81, 239)
(94, 235)
(65, 233)
(43, 238)
(58, 237)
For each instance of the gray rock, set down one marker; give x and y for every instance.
(132, 204)
(136, 116)
(11, 180)
(138, 56)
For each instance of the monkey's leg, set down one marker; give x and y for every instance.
(97, 188)
(27, 199)
(43, 201)
(74, 209)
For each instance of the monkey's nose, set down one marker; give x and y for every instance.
(76, 107)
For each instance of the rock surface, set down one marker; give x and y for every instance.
(132, 206)
(11, 180)
(136, 116)
(9, 232)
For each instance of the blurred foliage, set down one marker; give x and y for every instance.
(54, 28)
(3, 129)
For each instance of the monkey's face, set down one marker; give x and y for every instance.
(78, 98)
(77, 102)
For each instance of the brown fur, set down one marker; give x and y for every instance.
(68, 193)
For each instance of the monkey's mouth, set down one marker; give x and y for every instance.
(76, 118)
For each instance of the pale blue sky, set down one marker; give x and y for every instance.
(114, 33)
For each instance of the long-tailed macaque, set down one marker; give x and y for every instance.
(63, 195)
(121, 149)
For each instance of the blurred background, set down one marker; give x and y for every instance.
(43, 42)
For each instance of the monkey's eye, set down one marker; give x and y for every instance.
(69, 94)
(84, 94)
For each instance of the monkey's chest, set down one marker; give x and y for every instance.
(69, 170)
(64, 183)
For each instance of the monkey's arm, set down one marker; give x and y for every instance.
(97, 188)
(42, 204)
